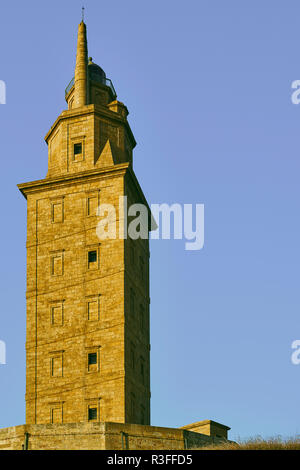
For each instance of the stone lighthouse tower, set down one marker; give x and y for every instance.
(87, 342)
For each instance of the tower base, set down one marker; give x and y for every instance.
(108, 436)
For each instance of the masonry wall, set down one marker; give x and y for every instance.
(76, 308)
(100, 436)
(92, 126)
(137, 325)
(63, 289)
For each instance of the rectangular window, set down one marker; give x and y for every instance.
(76, 146)
(92, 256)
(57, 211)
(78, 149)
(57, 265)
(56, 414)
(93, 409)
(92, 414)
(93, 259)
(92, 205)
(92, 359)
(78, 152)
(93, 309)
(56, 314)
(56, 365)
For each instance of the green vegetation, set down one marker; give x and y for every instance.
(257, 443)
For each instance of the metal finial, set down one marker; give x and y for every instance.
(82, 13)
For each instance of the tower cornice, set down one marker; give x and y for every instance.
(85, 176)
(98, 110)
(66, 180)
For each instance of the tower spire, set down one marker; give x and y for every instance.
(81, 69)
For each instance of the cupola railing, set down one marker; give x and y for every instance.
(103, 81)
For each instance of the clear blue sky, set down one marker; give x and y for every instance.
(208, 86)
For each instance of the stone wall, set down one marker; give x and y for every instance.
(76, 308)
(100, 436)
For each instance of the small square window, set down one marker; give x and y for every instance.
(93, 413)
(92, 256)
(78, 149)
(92, 359)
